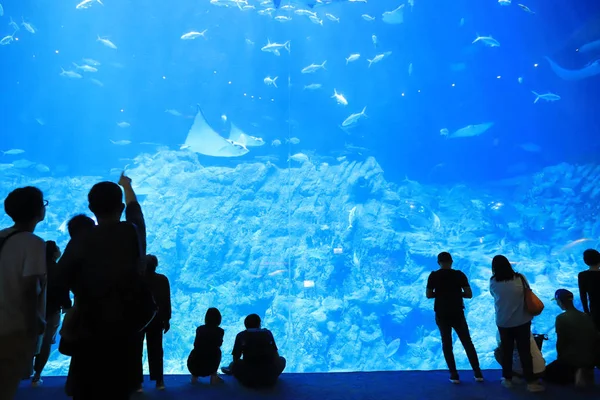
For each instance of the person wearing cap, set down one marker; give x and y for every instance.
(576, 344)
(448, 287)
(589, 285)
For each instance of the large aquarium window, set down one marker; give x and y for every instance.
(307, 160)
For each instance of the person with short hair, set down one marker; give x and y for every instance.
(256, 360)
(205, 358)
(589, 285)
(161, 290)
(576, 344)
(22, 286)
(449, 287)
(79, 224)
(513, 321)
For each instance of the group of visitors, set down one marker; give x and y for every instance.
(577, 332)
(119, 300)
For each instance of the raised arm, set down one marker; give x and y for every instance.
(133, 211)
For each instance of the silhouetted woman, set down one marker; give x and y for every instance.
(205, 358)
(513, 320)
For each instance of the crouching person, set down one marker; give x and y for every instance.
(576, 344)
(205, 358)
(539, 363)
(256, 361)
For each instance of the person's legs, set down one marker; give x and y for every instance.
(508, 343)
(559, 373)
(445, 326)
(138, 351)
(523, 339)
(16, 353)
(154, 343)
(462, 331)
(41, 359)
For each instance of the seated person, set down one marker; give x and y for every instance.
(576, 344)
(539, 364)
(205, 358)
(261, 364)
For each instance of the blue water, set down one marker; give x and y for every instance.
(259, 233)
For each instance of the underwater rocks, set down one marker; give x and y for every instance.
(335, 258)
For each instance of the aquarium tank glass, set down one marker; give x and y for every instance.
(306, 160)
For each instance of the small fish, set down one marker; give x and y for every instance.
(339, 98)
(96, 82)
(546, 96)
(313, 86)
(526, 9)
(42, 168)
(293, 140)
(6, 40)
(13, 25)
(123, 124)
(70, 74)
(332, 17)
(487, 40)
(305, 13)
(1, 10)
(444, 132)
(374, 39)
(249, 42)
(174, 112)
(520, 79)
(91, 62)
(193, 35)
(351, 216)
(410, 69)
(276, 143)
(106, 42)
(87, 4)
(352, 57)
(342, 158)
(275, 47)
(28, 27)
(184, 147)
(392, 348)
(85, 68)
(378, 58)
(299, 157)
(278, 272)
(316, 20)
(271, 81)
(121, 142)
(353, 118)
(13, 152)
(282, 18)
(368, 18)
(462, 22)
(312, 68)
(504, 2)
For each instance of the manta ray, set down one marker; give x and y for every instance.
(395, 16)
(589, 70)
(204, 140)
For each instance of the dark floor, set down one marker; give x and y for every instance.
(403, 385)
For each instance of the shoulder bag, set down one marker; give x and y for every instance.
(533, 304)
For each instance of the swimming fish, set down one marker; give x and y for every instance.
(351, 216)
(410, 69)
(123, 124)
(316, 20)
(312, 68)
(87, 4)
(394, 17)
(106, 42)
(588, 71)
(468, 131)
(276, 143)
(275, 47)
(70, 74)
(193, 35)
(90, 61)
(204, 140)
(293, 140)
(504, 2)
(7, 40)
(545, 96)
(313, 86)
(283, 18)
(271, 81)
(526, 9)
(28, 27)
(332, 17)
(86, 68)
(352, 57)
(339, 98)
(13, 25)
(1, 10)
(42, 168)
(299, 157)
(353, 118)
(368, 18)
(487, 40)
(378, 58)
(392, 348)
(590, 47)
(96, 82)
(121, 142)
(13, 152)
(374, 39)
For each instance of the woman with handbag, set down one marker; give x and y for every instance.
(514, 312)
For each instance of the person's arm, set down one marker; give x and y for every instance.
(34, 281)
(133, 211)
(583, 293)
(429, 292)
(467, 293)
(237, 347)
(221, 335)
(166, 322)
(560, 337)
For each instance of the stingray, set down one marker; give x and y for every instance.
(204, 140)
(470, 130)
(394, 17)
(238, 136)
(575, 74)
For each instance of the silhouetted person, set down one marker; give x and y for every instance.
(539, 363)
(205, 358)
(449, 287)
(22, 287)
(256, 361)
(78, 226)
(159, 286)
(576, 344)
(104, 270)
(513, 321)
(589, 285)
(57, 300)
